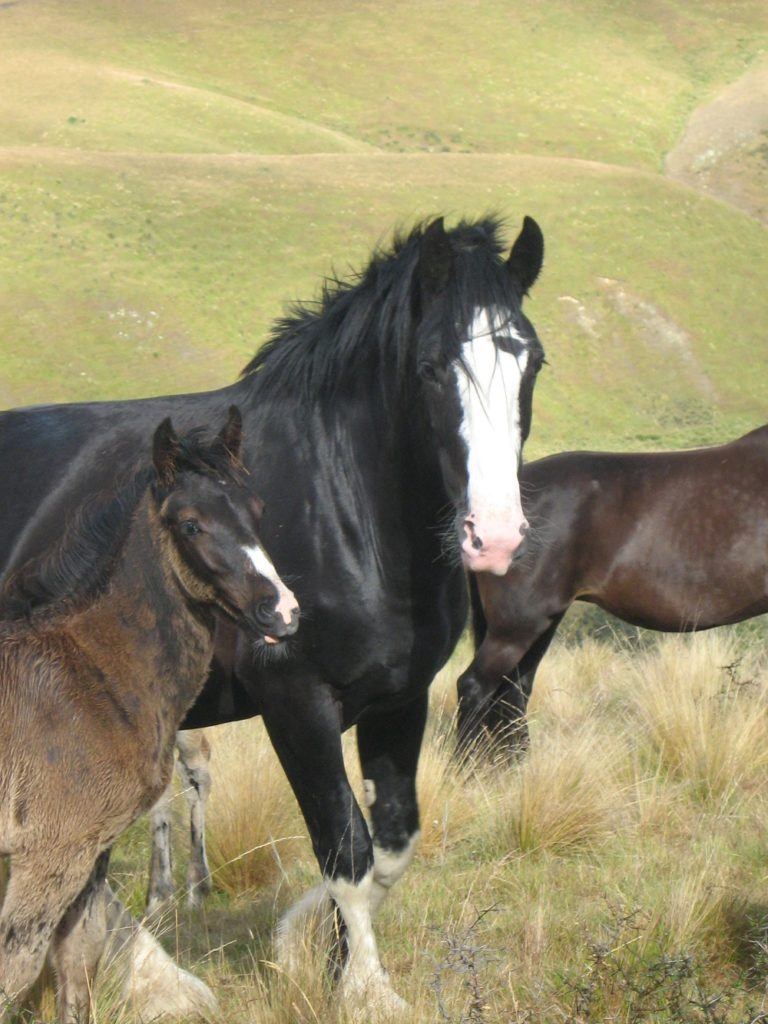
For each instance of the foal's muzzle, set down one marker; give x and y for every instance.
(271, 623)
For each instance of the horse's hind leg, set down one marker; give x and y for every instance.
(389, 746)
(78, 945)
(160, 888)
(194, 772)
(43, 884)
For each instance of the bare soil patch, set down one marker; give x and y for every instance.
(724, 148)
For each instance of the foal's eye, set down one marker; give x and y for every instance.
(189, 527)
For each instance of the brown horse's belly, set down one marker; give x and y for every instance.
(682, 596)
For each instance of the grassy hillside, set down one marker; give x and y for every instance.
(599, 79)
(134, 275)
(171, 174)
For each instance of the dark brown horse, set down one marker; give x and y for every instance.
(674, 541)
(105, 645)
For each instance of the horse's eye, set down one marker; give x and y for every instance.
(189, 527)
(428, 373)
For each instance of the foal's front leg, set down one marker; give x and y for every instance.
(44, 882)
(193, 770)
(303, 722)
(78, 945)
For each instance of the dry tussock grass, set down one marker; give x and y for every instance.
(700, 709)
(643, 787)
(254, 829)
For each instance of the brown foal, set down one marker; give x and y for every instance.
(106, 643)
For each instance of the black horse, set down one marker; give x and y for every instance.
(377, 425)
(674, 541)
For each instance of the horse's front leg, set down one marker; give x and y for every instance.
(193, 768)
(303, 722)
(494, 691)
(389, 745)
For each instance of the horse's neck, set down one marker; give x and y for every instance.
(141, 627)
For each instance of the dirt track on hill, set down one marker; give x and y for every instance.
(723, 150)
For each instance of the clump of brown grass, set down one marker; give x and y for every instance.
(700, 710)
(254, 827)
(565, 793)
(574, 684)
(450, 798)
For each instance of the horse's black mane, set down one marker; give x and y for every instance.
(367, 322)
(78, 568)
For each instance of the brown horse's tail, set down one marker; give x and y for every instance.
(479, 624)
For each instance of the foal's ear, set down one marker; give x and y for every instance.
(165, 451)
(232, 434)
(527, 254)
(435, 258)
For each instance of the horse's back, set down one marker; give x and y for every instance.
(669, 540)
(54, 457)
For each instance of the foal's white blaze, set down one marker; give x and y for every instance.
(287, 605)
(490, 397)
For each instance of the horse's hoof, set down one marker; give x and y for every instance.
(158, 904)
(373, 998)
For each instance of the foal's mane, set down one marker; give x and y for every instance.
(366, 323)
(79, 567)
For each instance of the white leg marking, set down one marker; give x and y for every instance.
(369, 792)
(287, 605)
(149, 978)
(364, 982)
(158, 987)
(389, 866)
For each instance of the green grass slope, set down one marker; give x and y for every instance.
(171, 174)
(600, 79)
(125, 276)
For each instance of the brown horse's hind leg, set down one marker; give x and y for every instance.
(194, 772)
(43, 884)
(78, 945)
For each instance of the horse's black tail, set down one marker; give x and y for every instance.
(479, 623)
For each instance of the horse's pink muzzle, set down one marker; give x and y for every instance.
(490, 543)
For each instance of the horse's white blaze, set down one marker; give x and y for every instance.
(287, 605)
(489, 388)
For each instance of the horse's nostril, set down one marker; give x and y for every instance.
(474, 539)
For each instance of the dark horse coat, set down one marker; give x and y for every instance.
(674, 541)
(353, 424)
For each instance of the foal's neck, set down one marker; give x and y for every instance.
(142, 630)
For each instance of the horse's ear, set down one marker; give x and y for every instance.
(527, 254)
(232, 434)
(435, 259)
(165, 450)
